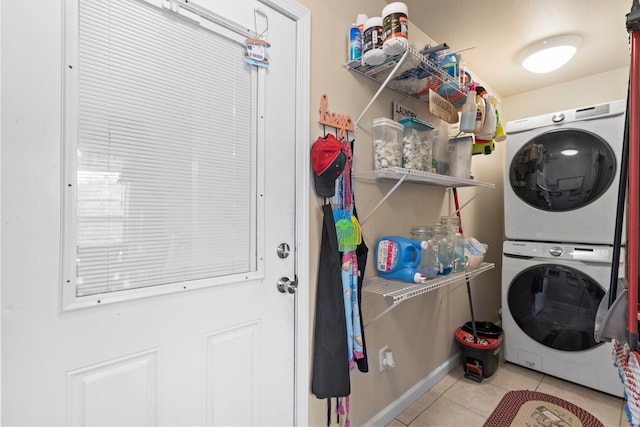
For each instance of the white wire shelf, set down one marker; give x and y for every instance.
(428, 178)
(410, 76)
(401, 175)
(397, 291)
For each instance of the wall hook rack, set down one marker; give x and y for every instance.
(341, 122)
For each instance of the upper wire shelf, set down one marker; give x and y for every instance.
(411, 175)
(414, 76)
(402, 175)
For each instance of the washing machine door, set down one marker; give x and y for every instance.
(562, 170)
(556, 305)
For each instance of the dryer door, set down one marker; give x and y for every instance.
(562, 170)
(556, 305)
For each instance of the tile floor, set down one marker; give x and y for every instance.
(460, 402)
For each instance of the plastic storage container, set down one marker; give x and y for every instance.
(396, 31)
(416, 145)
(473, 253)
(387, 143)
(440, 149)
(450, 63)
(372, 52)
(460, 150)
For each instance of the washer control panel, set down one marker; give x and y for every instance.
(555, 250)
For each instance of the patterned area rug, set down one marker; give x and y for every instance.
(531, 409)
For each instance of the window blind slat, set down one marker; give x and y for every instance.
(165, 147)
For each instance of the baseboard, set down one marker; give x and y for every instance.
(396, 407)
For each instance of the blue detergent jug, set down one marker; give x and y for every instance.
(398, 257)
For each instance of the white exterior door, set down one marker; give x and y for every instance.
(212, 351)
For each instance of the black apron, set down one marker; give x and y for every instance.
(330, 371)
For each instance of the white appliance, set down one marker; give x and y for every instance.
(550, 296)
(561, 175)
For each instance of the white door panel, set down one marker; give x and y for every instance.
(214, 355)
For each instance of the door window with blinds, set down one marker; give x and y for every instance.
(160, 153)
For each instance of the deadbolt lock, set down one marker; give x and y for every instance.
(283, 250)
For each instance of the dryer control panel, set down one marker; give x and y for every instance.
(558, 251)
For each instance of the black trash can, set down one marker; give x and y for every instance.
(480, 356)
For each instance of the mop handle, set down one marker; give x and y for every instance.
(632, 213)
(473, 318)
(622, 190)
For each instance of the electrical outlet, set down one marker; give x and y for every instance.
(381, 356)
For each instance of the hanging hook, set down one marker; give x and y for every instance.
(171, 5)
(257, 11)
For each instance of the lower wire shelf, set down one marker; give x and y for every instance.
(396, 291)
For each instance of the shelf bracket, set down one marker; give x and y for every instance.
(470, 200)
(382, 86)
(386, 196)
(386, 310)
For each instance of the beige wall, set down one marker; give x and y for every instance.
(595, 89)
(420, 331)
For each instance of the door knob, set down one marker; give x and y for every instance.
(286, 285)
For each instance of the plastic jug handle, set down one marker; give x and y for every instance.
(414, 256)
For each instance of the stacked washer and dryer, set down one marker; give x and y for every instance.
(560, 194)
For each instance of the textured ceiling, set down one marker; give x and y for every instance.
(499, 29)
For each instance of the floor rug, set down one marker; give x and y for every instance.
(531, 409)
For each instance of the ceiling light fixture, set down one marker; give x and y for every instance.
(549, 54)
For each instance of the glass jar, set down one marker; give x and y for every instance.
(429, 256)
(445, 249)
(452, 224)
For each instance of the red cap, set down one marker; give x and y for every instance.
(327, 161)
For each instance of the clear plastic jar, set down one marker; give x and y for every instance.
(429, 265)
(452, 224)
